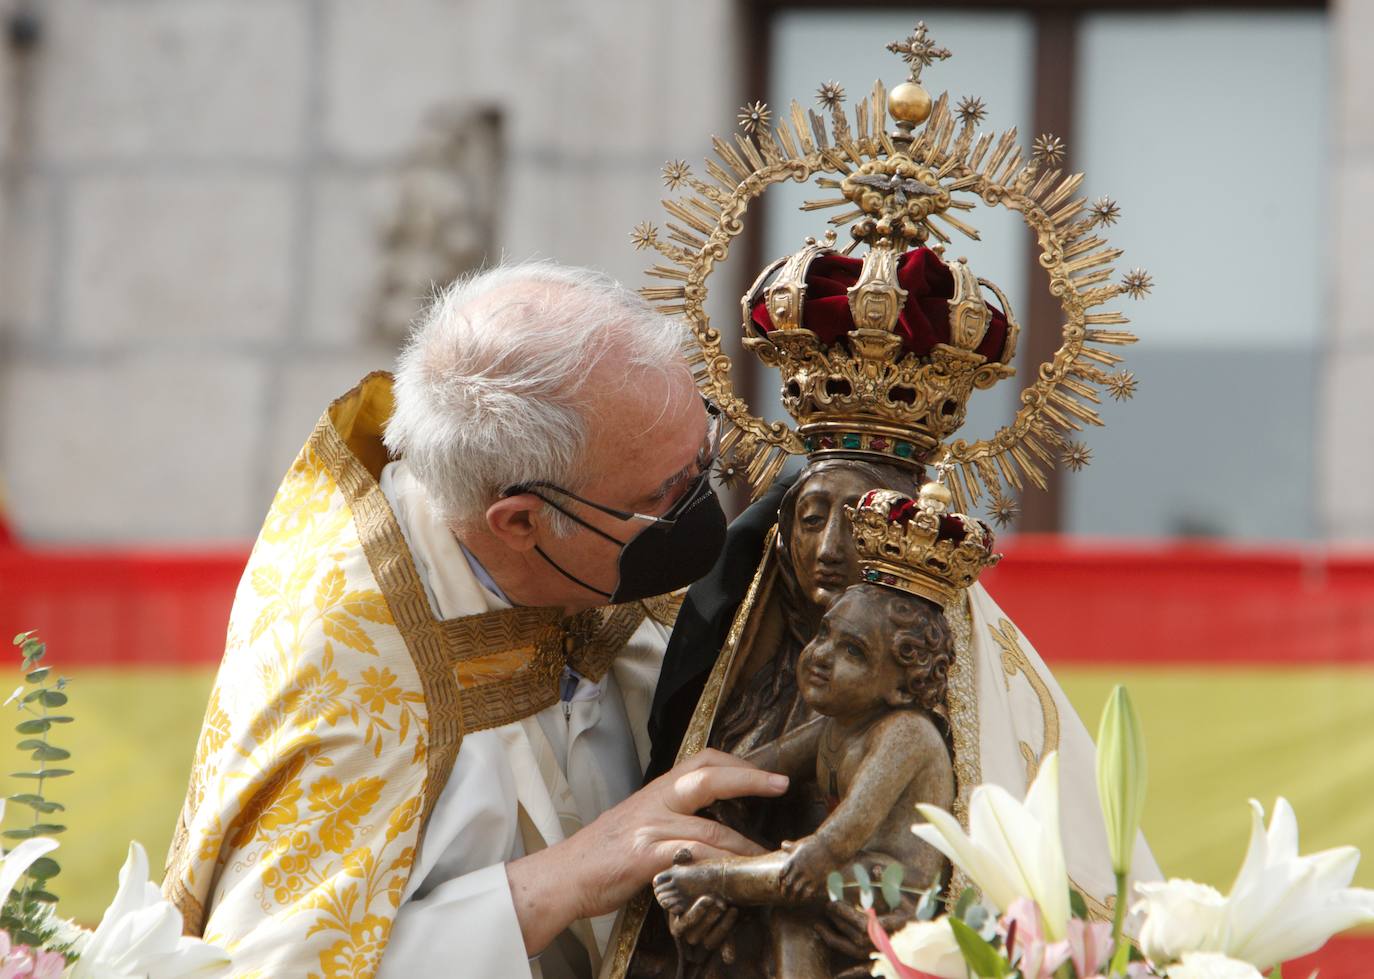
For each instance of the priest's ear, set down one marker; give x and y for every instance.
(515, 520)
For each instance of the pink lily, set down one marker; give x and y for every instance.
(1023, 932)
(1091, 942)
(880, 940)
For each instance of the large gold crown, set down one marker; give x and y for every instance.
(918, 546)
(901, 192)
(865, 393)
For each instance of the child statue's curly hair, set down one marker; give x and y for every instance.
(921, 644)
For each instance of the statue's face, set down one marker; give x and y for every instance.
(822, 544)
(847, 669)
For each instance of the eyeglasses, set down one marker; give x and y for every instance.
(706, 457)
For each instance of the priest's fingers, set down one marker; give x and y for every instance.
(715, 758)
(698, 788)
(693, 831)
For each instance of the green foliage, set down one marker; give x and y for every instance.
(981, 957)
(865, 886)
(27, 915)
(891, 884)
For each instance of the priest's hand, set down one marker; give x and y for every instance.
(599, 868)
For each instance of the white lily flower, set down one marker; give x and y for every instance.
(1212, 965)
(1180, 916)
(20, 859)
(1283, 905)
(140, 937)
(928, 946)
(1012, 848)
(18, 691)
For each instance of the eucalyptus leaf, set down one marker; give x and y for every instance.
(20, 639)
(48, 753)
(44, 868)
(865, 886)
(38, 675)
(26, 833)
(37, 802)
(36, 725)
(45, 829)
(52, 698)
(891, 885)
(46, 897)
(977, 917)
(31, 696)
(967, 898)
(29, 744)
(834, 886)
(981, 957)
(929, 905)
(49, 773)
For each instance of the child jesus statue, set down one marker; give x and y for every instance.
(877, 674)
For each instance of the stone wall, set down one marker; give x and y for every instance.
(197, 195)
(1346, 437)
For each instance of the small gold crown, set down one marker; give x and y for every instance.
(868, 383)
(917, 546)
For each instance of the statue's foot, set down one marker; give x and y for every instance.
(678, 888)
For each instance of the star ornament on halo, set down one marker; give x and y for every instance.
(1137, 283)
(1076, 456)
(1105, 211)
(675, 172)
(1049, 149)
(972, 110)
(830, 95)
(644, 235)
(1004, 509)
(754, 116)
(1121, 385)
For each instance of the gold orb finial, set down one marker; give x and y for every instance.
(938, 494)
(909, 103)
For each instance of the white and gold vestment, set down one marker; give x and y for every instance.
(330, 809)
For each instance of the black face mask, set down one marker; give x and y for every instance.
(673, 551)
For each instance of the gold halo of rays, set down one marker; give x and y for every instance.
(832, 143)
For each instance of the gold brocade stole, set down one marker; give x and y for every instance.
(509, 663)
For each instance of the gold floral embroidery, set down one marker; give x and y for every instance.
(317, 692)
(345, 806)
(358, 955)
(1014, 660)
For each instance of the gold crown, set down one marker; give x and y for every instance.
(865, 393)
(897, 190)
(917, 546)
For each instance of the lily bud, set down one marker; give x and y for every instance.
(1121, 777)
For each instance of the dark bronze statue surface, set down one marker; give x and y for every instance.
(875, 674)
(827, 697)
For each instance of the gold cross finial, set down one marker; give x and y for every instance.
(918, 50)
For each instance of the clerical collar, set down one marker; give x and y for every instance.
(483, 577)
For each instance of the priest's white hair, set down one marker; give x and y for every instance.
(495, 390)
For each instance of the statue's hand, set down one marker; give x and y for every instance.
(702, 928)
(845, 928)
(804, 873)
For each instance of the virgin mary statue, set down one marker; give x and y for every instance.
(878, 355)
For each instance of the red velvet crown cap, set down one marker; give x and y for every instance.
(923, 322)
(904, 508)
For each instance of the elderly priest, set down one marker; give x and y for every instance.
(422, 750)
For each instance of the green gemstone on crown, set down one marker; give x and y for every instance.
(904, 449)
(851, 442)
